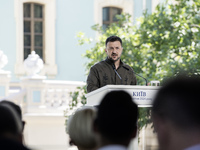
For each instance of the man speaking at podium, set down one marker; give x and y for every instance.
(111, 70)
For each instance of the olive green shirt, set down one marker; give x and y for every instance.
(102, 73)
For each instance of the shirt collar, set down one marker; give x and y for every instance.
(194, 147)
(114, 147)
(110, 62)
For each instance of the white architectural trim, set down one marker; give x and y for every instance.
(144, 4)
(154, 4)
(125, 5)
(50, 68)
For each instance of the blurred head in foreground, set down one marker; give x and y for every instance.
(80, 128)
(10, 129)
(16, 108)
(176, 113)
(10, 125)
(116, 121)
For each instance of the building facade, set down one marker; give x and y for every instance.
(49, 27)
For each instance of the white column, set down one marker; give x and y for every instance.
(34, 87)
(33, 84)
(4, 76)
(4, 83)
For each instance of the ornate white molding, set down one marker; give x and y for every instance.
(33, 64)
(50, 67)
(154, 4)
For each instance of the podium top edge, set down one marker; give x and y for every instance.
(122, 87)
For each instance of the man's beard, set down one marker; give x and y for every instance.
(110, 58)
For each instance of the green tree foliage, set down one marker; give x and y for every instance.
(170, 39)
(160, 45)
(164, 43)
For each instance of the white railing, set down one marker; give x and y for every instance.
(36, 95)
(16, 96)
(57, 93)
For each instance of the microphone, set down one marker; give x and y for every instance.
(137, 74)
(116, 72)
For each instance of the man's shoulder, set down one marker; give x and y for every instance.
(126, 66)
(100, 63)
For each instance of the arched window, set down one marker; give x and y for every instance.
(109, 15)
(33, 29)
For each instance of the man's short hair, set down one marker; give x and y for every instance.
(178, 101)
(117, 116)
(113, 39)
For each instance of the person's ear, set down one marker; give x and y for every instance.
(20, 138)
(23, 125)
(157, 122)
(105, 50)
(161, 125)
(71, 142)
(134, 134)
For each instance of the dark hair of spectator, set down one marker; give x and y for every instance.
(117, 116)
(9, 121)
(178, 100)
(16, 108)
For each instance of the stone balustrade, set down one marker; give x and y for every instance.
(38, 95)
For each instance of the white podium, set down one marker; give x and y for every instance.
(142, 96)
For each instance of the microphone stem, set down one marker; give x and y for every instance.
(142, 77)
(117, 74)
(113, 65)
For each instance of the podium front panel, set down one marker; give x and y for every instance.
(142, 95)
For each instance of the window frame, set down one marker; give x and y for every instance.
(110, 21)
(126, 6)
(50, 67)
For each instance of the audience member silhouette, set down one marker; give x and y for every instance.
(116, 121)
(176, 114)
(80, 128)
(10, 129)
(16, 108)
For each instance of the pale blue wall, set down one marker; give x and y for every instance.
(71, 17)
(8, 33)
(162, 1)
(36, 96)
(149, 6)
(138, 9)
